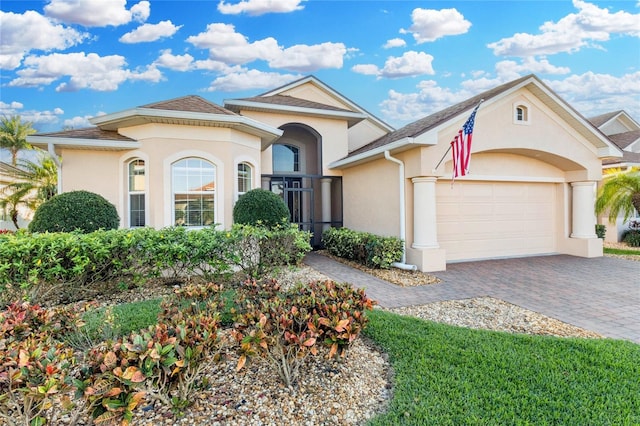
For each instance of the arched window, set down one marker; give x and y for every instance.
(136, 188)
(244, 178)
(193, 182)
(521, 114)
(286, 158)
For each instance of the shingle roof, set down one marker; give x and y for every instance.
(627, 157)
(189, 103)
(88, 133)
(291, 101)
(423, 125)
(599, 120)
(623, 140)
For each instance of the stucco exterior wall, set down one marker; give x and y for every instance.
(371, 202)
(333, 134)
(105, 172)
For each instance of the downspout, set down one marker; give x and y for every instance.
(401, 265)
(51, 148)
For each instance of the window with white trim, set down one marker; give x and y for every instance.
(193, 184)
(137, 198)
(521, 114)
(245, 183)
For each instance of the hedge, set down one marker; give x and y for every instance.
(368, 249)
(43, 261)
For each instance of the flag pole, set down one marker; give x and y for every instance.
(450, 146)
(442, 159)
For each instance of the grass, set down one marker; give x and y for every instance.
(447, 375)
(631, 252)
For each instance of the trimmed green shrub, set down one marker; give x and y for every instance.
(261, 207)
(81, 211)
(63, 264)
(262, 249)
(601, 230)
(368, 249)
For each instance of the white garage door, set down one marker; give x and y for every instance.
(479, 220)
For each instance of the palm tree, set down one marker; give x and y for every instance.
(12, 201)
(34, 182)
(40, 177)
(13, 135)
(620, 193)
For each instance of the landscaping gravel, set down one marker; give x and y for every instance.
(346, 392)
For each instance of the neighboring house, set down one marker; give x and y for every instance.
(531, 190)
(624, 132)
(7, 176)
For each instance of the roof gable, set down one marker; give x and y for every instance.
(615, 122)
(415, 133)
(190, 103)
(312, 89)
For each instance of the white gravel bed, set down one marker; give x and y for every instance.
(347, 392)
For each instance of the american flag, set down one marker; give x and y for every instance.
(461, 146)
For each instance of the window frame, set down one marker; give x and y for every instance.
(136, 192)
(200, 193)
(249, 176)
(521, 113)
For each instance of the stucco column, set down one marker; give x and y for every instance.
(325, 190)
(583, 218)
(265, 183)
(425, 231)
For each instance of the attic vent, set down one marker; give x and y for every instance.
(521, 114)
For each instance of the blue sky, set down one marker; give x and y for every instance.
(63, 61)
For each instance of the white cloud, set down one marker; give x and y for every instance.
(174, 62)
(410, 64)
(78, 122)
(577, 30)
(84, 71)
(36, 117)
(21, 33)
(225, 44)
(92, 13)
(366, 69)
(259, 7)
(150, 32)
(429, 98)
(140, 12)
(394, 42)
(593, 94)
(307, 58)
(430, 24)
(250, 80)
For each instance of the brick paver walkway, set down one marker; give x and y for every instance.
(600, 294)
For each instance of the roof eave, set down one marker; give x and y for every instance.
(117, 120)
(82, 143)
(394, 147)
(352, 118)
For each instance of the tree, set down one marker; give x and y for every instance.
(39, 177)
(34, 182)
(12, 202)
(13, 135)
(620, 193)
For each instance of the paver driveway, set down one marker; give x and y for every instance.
(600, 294)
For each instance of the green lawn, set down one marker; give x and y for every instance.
(632, 252)
(455, 376)
(447, 375)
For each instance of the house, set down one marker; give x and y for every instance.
(624, 132)
(7, 176)
(185, 161)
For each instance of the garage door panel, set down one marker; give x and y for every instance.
(495, 219)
